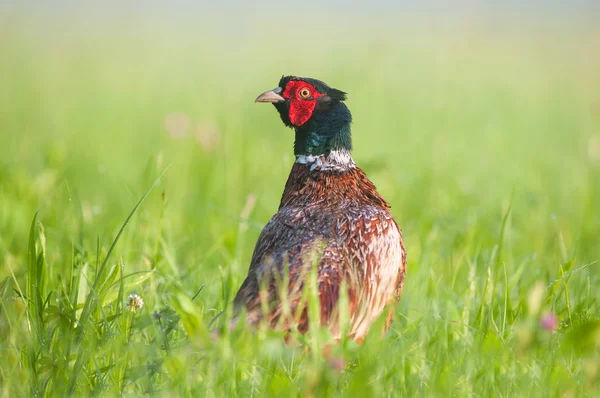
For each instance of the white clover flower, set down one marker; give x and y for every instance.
(134, 302)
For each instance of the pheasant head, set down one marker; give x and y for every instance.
(315, 111)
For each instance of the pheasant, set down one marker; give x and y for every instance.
(331, 221)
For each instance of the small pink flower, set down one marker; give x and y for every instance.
(208, 135)
(177, 124)
(549, 322)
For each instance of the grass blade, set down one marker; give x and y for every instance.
(92, 295)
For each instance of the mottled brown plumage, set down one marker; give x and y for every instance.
(332, 218)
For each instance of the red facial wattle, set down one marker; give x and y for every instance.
(301, 109)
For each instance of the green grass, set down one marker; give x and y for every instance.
(486, 143)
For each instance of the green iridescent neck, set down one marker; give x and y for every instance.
(325, 132)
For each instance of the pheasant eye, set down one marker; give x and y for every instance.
(304, 93)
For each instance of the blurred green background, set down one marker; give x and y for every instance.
(479, 124)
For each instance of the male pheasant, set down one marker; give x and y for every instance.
(330, 217)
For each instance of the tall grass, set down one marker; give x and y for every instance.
(485, 142)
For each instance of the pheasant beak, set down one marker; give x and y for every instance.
(270, 96)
